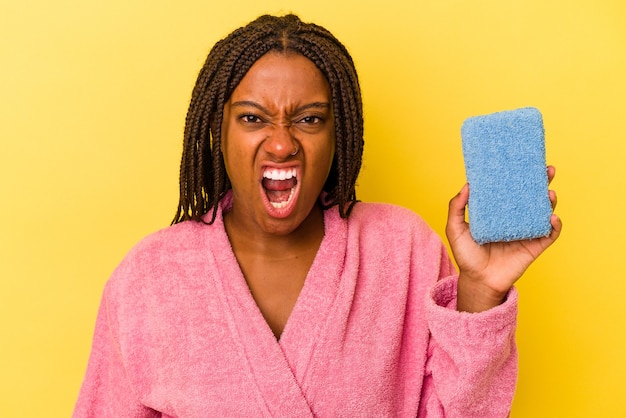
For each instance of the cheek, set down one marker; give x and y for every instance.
(231, 157)
(228, 143)
(324, 161)
(231, 153)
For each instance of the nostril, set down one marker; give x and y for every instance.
(281, 143)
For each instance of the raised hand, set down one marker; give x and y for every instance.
(487, 272)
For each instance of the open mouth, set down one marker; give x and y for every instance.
(279, 186)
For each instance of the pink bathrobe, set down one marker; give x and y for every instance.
(374, 332)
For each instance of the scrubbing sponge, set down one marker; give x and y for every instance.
(505, 165)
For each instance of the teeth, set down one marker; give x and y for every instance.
(276, 174)
(280, 205)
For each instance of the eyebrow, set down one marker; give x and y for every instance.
(249, 103)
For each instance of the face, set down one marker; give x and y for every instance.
(282, 106)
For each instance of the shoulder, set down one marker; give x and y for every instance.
(392, 225)
(394, 241)
(386, 216)
(169, 251)
(171, 240)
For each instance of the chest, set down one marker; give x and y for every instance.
(275, 283)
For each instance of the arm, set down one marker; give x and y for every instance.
(106, 390)
(487, 272)
(471, 368)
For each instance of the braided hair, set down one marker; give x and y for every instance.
(203, 178)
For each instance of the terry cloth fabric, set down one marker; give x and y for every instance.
(374, 331)
(505, 164)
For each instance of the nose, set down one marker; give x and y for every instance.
(281, 143)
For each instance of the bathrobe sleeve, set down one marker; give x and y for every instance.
(106, 390)
(462, 365)
(471, 367)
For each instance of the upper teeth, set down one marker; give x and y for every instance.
(276, 174)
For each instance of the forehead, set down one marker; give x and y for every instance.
(283, 72)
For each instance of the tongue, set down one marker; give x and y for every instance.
(278, 190)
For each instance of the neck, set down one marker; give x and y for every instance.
(307, 236)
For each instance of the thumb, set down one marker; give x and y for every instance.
(456, 214)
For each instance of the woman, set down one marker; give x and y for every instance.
(275, 293)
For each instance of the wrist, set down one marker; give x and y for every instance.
(473, 296)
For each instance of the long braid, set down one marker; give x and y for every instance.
(203, 178)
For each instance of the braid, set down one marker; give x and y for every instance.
(203, 178)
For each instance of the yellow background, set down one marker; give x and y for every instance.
(93, 96)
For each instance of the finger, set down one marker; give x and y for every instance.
(553, 199)
(457, 203)
(456, 211)
(557, 225)
(551, 173)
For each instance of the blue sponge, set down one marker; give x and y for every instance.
(505, 164)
